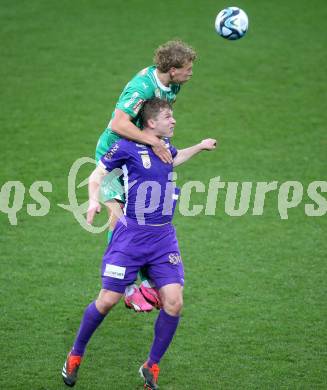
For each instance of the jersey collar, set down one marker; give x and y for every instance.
(159, 83)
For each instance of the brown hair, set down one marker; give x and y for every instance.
(173, 54)
(152, 108)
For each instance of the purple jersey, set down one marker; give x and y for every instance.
(150, 193)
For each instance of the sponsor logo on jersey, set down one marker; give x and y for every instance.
(138, 105)
(114, 271)
(131, 100)
(145, 85)
(111, 152)
(140, 145)
(175, 258)
(146, 160)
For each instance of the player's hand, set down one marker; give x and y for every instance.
(208, 144)
(94, 208)
(162, 152)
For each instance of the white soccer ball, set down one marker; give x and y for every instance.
(232, 23)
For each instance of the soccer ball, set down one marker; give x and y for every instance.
(232, 23)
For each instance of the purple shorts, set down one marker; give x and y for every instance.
(136, 246)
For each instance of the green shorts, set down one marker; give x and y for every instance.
(116, 188)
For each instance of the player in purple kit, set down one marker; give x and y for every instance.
(173, 67)
(143, 237)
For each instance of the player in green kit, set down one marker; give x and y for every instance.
(173, 67)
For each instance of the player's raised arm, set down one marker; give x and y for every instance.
(185, 154)
(123, 126)
(95, 180)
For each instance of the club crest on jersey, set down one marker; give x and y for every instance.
(146, 161)
(157, 92)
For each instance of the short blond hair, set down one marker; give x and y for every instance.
(173, 54)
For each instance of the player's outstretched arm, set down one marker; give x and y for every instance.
(122, 125)
(95, 180)
(185, 154)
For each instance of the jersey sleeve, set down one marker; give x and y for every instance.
(133, 97)
(115, 156)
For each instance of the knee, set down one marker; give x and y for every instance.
(107, 300)
(173, 306)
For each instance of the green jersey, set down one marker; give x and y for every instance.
(144, 86)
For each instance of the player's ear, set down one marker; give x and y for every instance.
(151, 123)
(172, 71)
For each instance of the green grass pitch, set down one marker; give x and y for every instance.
(255, 296)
